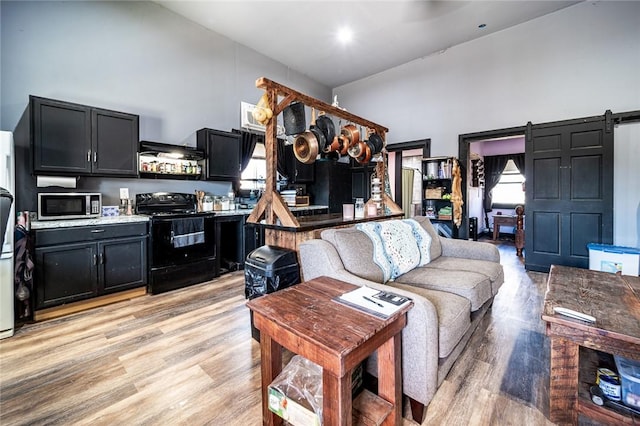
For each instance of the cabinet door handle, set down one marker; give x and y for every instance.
(101, 258)
(89, 156)
(95, 259)
(97, 231)
(95, 156)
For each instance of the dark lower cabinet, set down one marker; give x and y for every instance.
(79, 263)
(230, 244)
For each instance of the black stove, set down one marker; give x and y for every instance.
(182, 241)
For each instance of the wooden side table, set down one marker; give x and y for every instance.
(613, 300)
(306, 320)
(502, 219)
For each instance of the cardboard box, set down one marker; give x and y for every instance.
(608, 258)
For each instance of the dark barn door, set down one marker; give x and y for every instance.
(569, 191)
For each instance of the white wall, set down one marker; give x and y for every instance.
(135, 57)
(626, 180)
(577, 62)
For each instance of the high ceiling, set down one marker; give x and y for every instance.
(302, 34)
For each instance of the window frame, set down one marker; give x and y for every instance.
(516, 172)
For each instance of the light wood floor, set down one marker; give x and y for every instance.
(187, 357)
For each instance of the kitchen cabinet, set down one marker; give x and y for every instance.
(79, 263)
(297, 172)
(78, 139)
(230, 243)
(361, 180)
(222, 154)
(332, 186)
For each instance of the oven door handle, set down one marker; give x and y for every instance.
(171, 239)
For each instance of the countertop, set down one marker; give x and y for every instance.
(104, 220)
(330, 220)
(113, 220)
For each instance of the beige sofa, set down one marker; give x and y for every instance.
(451, 294)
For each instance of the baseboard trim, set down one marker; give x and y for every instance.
(83, 305)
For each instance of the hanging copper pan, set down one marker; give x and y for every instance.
(306, 145)
(351, 134)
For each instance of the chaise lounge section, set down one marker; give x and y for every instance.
(451, 294)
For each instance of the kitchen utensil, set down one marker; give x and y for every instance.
(325, 124)
(306, 146)
(294, 119)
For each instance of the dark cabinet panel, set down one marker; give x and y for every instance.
(65, 273)
(297, 172)
(222, 151)
(75, 264)
(114, 142)
(332, 185)
(361, 181)
(82, 140)
(61, 136)
(123, 263)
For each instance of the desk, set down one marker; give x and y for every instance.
(613, 300)
(502, 219)
(306, 320)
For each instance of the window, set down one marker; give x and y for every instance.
(253, 177)
(508, 193)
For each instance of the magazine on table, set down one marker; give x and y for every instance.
(382, 304)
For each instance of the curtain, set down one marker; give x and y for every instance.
(518, 160)
(247, 145)
(407, 192)
(282, 160)
(493, 167)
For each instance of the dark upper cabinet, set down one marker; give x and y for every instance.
(222, 150)
(297, 172)
(61, 135)
(114, 140)
(81, 140)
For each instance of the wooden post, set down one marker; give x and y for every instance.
(271, 204)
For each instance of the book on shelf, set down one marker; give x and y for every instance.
(382, 304)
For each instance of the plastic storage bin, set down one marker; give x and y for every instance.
(629, 372)
(608, 258)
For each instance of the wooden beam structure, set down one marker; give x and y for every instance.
(271, 205)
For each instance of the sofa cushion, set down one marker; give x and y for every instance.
(493, 270)
(356, 252)
(436, 247)
(454, 315)
(473, 286)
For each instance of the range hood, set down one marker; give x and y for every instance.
(164, 150)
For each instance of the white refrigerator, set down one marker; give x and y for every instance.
(7, 181)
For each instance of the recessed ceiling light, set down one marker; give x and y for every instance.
(345, 35)
(482, 26)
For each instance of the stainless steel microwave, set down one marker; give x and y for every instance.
(69, 205)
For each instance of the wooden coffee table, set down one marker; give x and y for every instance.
(306, 320)
(614, 300)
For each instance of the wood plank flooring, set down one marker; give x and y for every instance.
(187, 357)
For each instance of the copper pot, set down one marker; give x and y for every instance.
(306, 146)
(351, 134)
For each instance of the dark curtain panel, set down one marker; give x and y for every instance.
(281, 163)
(518, 160)
(493, 168)
(248, 144)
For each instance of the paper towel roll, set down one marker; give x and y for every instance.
(62, 182)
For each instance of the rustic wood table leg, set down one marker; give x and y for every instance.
(336, 399)
(563, 389)
(271, 365)
(390, 378)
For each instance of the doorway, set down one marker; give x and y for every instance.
(405, 174)
(470, 147)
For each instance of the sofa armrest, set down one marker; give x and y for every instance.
(420, 336)
(469, 249)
